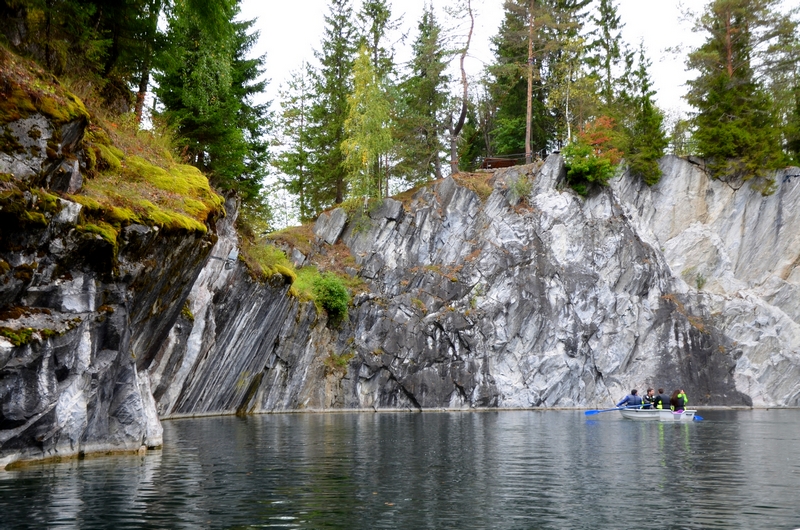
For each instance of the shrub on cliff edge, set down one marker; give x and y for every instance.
(333, 296)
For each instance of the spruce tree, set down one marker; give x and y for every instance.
(737, 130)
(421, 105)
(294, 162)
(646, 140)
(375, 19)
(332, 85)
(606, 51)
(205, 85)
(474, 138)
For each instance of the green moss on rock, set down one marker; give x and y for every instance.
(17, 337)
(26, 89)
(103, 229)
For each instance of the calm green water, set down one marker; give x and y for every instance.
(735, 469)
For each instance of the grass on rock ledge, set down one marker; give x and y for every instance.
(130, 175)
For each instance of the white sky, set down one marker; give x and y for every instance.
(291, 30)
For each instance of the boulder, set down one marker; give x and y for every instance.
(329, 225)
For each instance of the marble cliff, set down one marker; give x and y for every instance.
(487, 297)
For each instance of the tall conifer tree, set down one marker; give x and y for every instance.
(560, 92)
(737, 130)
(646, 137)
(606, 51)
(295, 160)
(206, 84)
(508, 86)
(422, 102)
(332, 85)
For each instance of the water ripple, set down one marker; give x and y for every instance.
(503, 470)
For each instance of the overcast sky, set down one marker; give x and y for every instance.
(291, 30)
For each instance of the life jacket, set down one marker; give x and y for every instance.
(662, 401)
(682, 401)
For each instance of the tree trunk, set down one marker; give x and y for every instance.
(529, 114)
(437, 161)
(141, 95)
(453, 145)
(729, 44)
(455, 131)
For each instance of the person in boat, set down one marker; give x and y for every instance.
(678, 400)
(649, 399)
(661, 400)
(631, 400)
(683, 401)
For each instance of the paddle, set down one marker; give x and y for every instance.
(592, 412)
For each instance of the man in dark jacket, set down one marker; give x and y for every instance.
(649, 399)
(662, 400)
(631, 400)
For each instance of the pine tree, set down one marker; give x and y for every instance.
(508, 87)
(562, 95)
(422, 103)
(368, 130)
(332, 86)
(737, 130)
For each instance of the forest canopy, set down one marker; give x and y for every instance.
(354, 123)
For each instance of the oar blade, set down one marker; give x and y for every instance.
(592, 412)
(698, 418)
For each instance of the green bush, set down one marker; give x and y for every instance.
(593, 157)
(584, 166)
(331, 293)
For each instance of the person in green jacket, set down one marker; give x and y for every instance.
(678, 401)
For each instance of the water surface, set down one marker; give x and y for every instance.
(505, 470)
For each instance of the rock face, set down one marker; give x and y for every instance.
(525, 295)
(75, 381)
(82, 316)
(736, 246)
(547, 300)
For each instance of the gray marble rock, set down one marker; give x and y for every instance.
(546, 300)
(80, 318)
(329, 225)
(553, 301)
